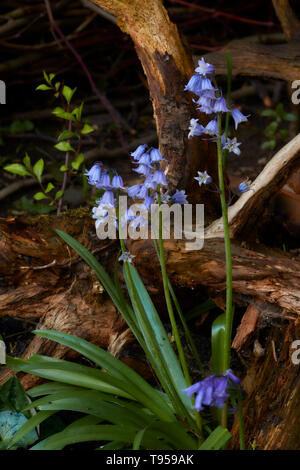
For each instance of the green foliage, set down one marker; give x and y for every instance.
(13, 400)
(274, 132)
(118, 406)
(69, 142)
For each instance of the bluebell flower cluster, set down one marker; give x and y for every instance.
(148, 164)
(213, 390)
(211, 102)
(111, 184)
(148, 161)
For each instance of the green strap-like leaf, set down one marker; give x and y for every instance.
(217, 439)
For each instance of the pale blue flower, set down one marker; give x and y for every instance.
(232, 145)
(179, 197)
(220, 105)
(139, 152)
(94, 174)
(204, 68)
(126, 257)
(195, 128)
(145, 159)
(160, 178)
(194, 85)
(117, 182)
(212, 128)
(143, 169)
(156, 156)
(238, 117)
(107, 199)
(203, 178)
(133, 190)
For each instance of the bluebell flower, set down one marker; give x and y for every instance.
(245, 186)
(133, 190)
(128, 216)
(179, 197)
(117, 182)
(212, 128)
(143, 169)
(108, 199)
(145, 159)
(238, 117)
(194, 85)
(143, 191)
(139, 152)
(165, 198)
(148, 201)
(105, 181)
(94, 174)
(220, 105)
(213, 390)
(206, 109)
(204, 68)
(126, 257)
(103, 215)
(203, 178)
(156, 156)
(160, 178)
(149, 183)
(232, 145)
(206, 85)
(195, 128)
(138, 221)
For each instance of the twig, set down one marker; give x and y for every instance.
(99, 11)
(217, 13)
(36, 268)
(94, 88)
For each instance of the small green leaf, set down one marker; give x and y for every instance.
(79, 160)
(268, 112)
(57, 85)
(87, 129)
(17, 169)
(50, 186)
(63, 168)
(27, 161)
(61, 113)
(64, 146)
(59, 194)
(43, 87)
(68, 93)
(78, 112)
(290, 117)
(39, 196)
(269, 144)
(47, 79)
(38, 169)
(66, 135)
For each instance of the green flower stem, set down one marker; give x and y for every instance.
(169, 301)
(229, 310)
(188, 337)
